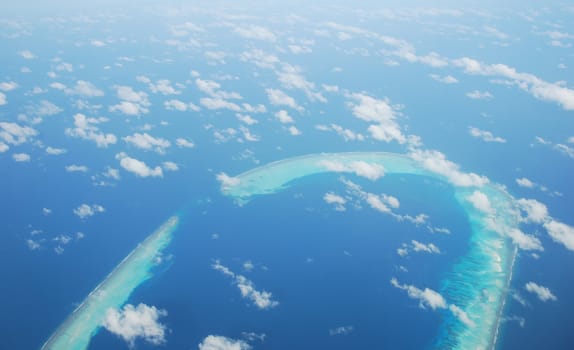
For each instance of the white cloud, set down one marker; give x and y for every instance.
(85, 128)
(217, 342)
(86, 210)
(133, 322)
(8, 85)
(280, 98)
(227, 181)
(284, 117)
(371, 171)
(260, 58)
(461, 315)
(561, 233)
(479, 95)
(427, 248)
(132, 102)
(290, 77)
(138, 167)
(524, 182)
(85, 89)
(380, 112)
(481, 202)
(436, 162)
(55, 151)
(255, 32)
(2, 99)
(177, 105)
(76, 168)
(535, 211)
(184, 143)
(540, 89)
(448, 79)
(219, 103)
(338, 201)
(247, 119)
(486, 136)
(14, 134)
(28, 55)
(343, 330)
(346, 134)
(3, 147)
(97, 43)
(147, 142)
(164, 87)
(294, 131)
(524, 241)
(170, 166)
(212, 88)
(21, 157)
(543, 293)
(261, 299)
(426, 297)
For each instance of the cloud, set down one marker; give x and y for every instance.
(279, 98)
(560, 233)
(255, 32)
(21, 157)
(147, 142)
(427, 248)
(26, 54)
(138, 167)
(461, 315)
(535, 211)
(14, 134)
(540, 89)
(448, 79)
(294, 131)
(3, 147)
(212, 88)
(436, 162)
(55, 151)
(481, 202)
(261, 299)
(8, 85)
(486, 136)
(85, 89)
(343, 330)
(177, 105)
(247, 119)
(479, 95)
(524, 182)
(338, 201)
(380, 112)
(184, 143)
(132, 102)
(346, 134)
(2, 99)
(227, 181)
(134, 322)
(260, 58)
(217, 342)
(523, 240)
(170, 166)
(85, 210)
(76, 168)
(284, 117)
(371, 171)
(426, 297)
(85, 128)
(543, 293)
(219, 103)
(164, 87)
(290, 77)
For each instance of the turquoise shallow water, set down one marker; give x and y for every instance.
(477, 285)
